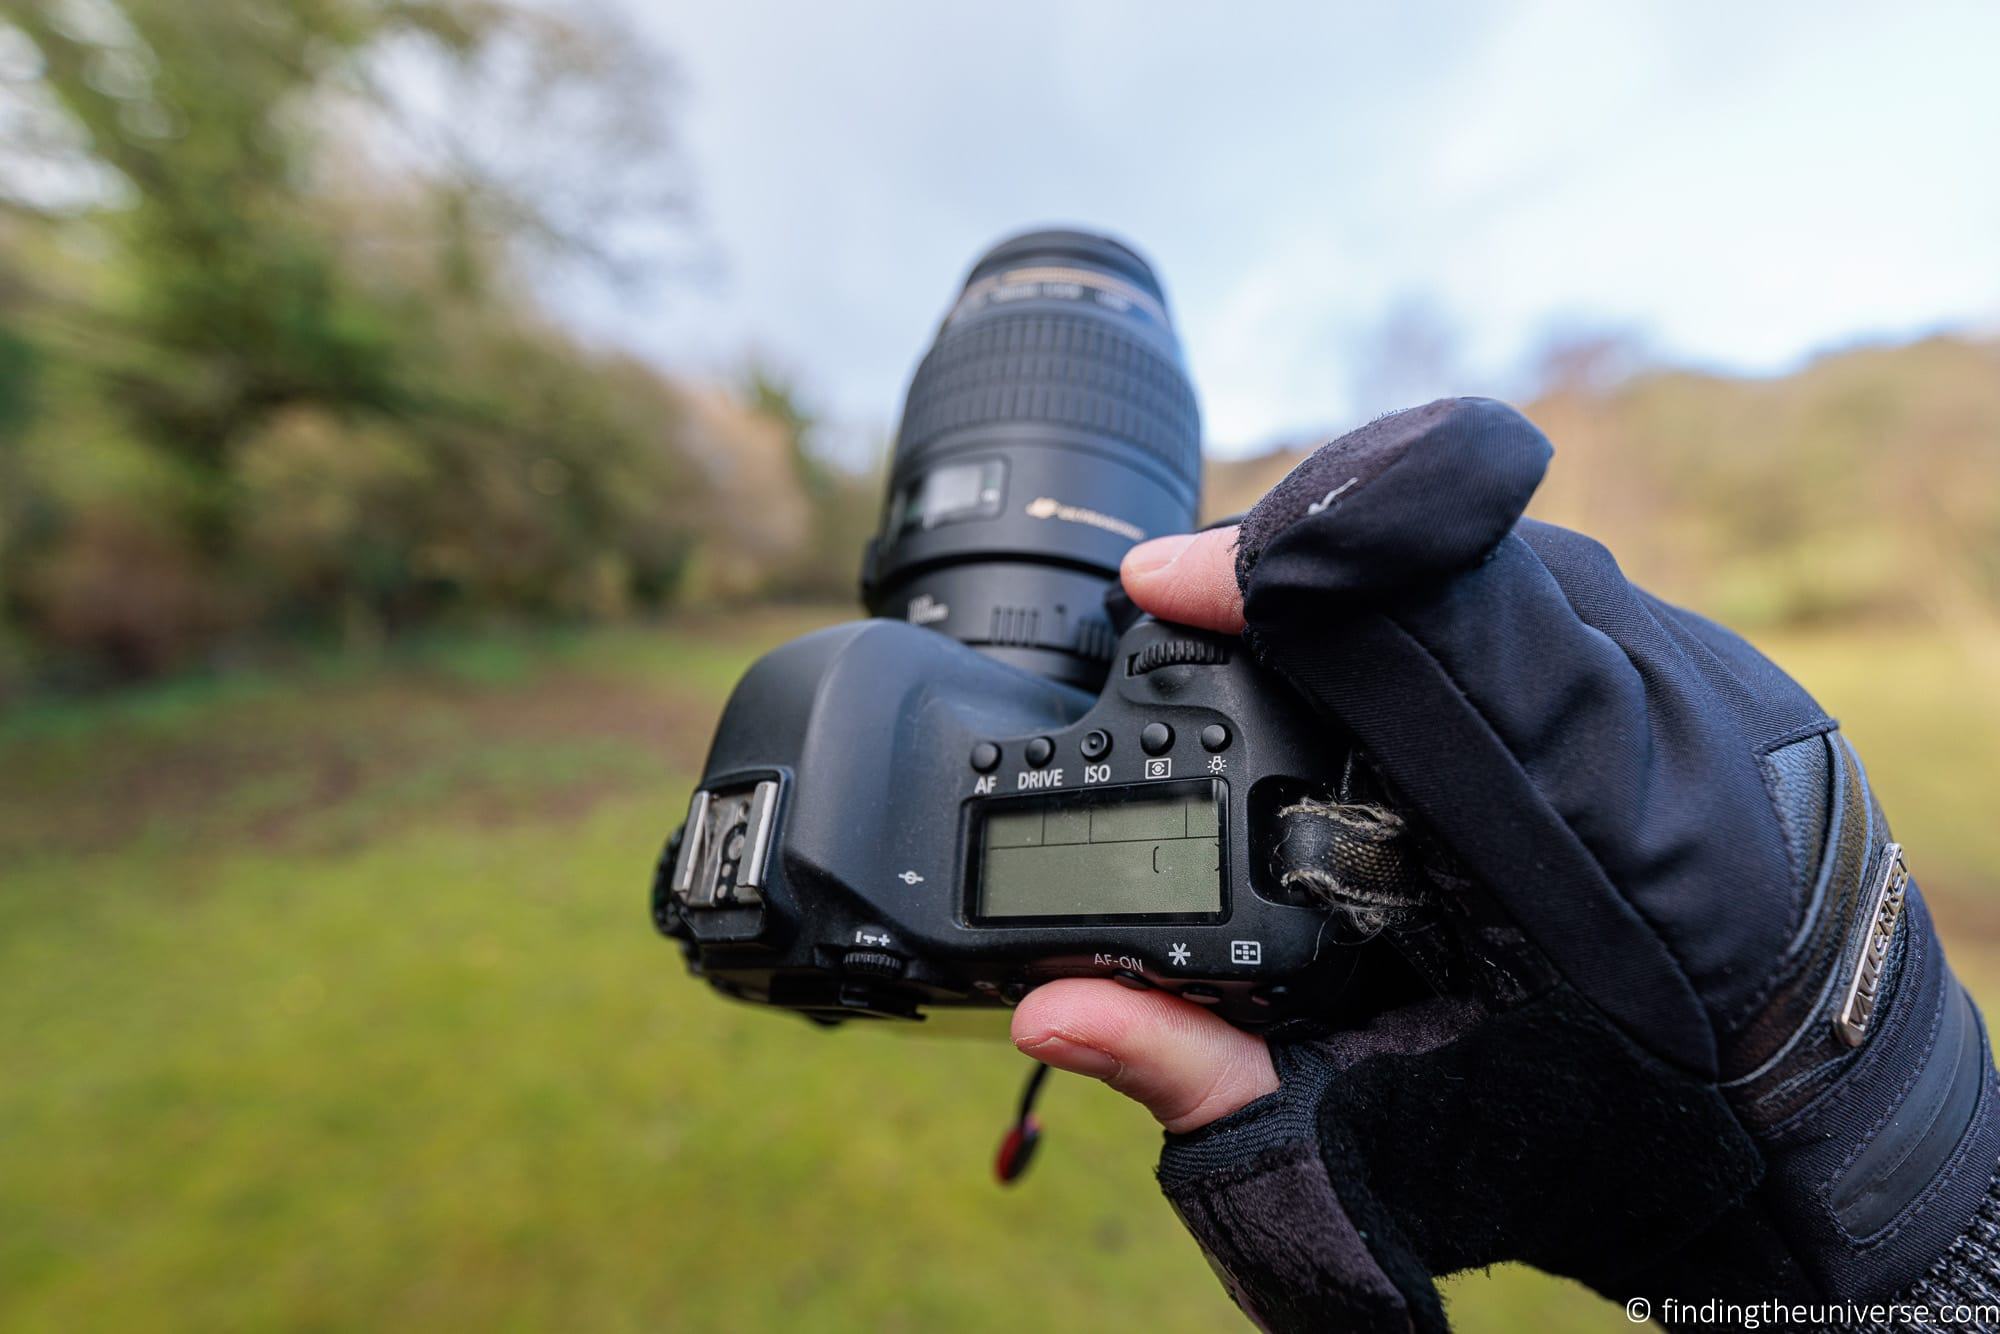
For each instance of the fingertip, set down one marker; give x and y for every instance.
(1188, 578)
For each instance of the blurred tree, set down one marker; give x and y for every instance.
(270, 336)
(1412, 356)
(1860, 488)
(843, 505)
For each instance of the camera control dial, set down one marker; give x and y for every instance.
(1177, 653)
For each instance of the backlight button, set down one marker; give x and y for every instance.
(1271, 996)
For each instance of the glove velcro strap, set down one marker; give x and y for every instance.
(1869, 1080)
(1890, 1164)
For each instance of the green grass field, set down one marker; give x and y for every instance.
(330, 1002)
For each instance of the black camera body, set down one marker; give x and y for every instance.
(890, 821)
(1010, 776)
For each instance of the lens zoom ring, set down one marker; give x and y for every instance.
(1062, 370)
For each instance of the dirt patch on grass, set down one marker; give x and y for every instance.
(329, 767)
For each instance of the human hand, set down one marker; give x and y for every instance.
(1656, 1095)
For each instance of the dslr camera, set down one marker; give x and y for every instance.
(1008, 776)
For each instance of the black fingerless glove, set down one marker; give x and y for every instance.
(1702, 1039)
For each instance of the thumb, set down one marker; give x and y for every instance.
(1183, 1064)
(1189, 578)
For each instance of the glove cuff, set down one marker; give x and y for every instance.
(1968, 1274)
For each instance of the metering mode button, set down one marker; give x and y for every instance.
(726, 849)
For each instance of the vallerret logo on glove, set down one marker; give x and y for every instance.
(1864, 989)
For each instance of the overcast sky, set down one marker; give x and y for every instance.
(1738, 184)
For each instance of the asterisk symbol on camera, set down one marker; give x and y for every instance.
(1179, 954)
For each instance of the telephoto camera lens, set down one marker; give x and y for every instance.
(1050, 427)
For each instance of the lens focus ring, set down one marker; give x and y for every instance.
(1078, 371)
(1050, 426)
